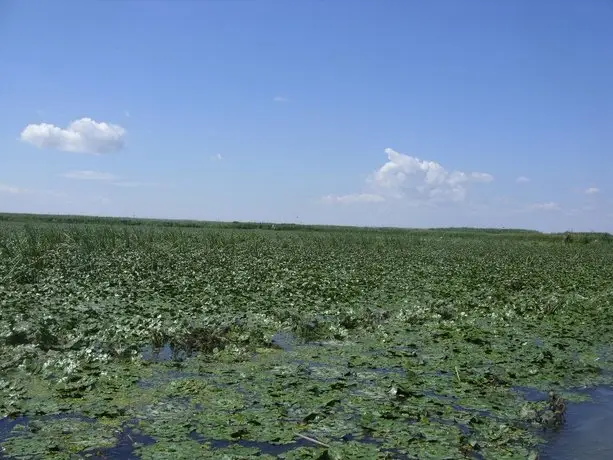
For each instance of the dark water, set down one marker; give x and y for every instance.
(588, 431)
(163, 353)
(285, 341)
(124, 449)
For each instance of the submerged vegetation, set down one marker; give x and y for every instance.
(145, 339)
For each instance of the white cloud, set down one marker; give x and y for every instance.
(417, 181)
(406, 176)
(550, 206)
(133, 184)
(89, 175)
(104, 177)
(84, 136)
(481, 177)
(12, 190)
(522, 179)
(354, 198)
(592, 190)
(217, 157)
(130, 184)
(280, 99)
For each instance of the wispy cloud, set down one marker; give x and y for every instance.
(13, 190)
(217, 157)
(280, 99)
(16, 190)
(133, 184)
(354, 198)
(89, 175)
(549, 206)
(407, 177)
(592, 190)
(83, 136)
(106, 178)
(522, 180)
(100, 200)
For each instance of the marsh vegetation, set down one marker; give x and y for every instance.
(146, 339)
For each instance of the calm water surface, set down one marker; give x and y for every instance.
(588, 431)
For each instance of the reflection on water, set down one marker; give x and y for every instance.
(588, 431)
(284, 341)
(153, 354)
(125, 449)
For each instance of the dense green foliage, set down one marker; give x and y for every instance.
(204, 340)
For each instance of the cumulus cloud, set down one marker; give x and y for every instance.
(354, 198)
(522, 179)
(550, 206)
(592, 190)
(83, 136)
(407, 177)
(89, 175)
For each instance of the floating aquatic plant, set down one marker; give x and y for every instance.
(195, 341)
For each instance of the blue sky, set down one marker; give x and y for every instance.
(369, 112)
